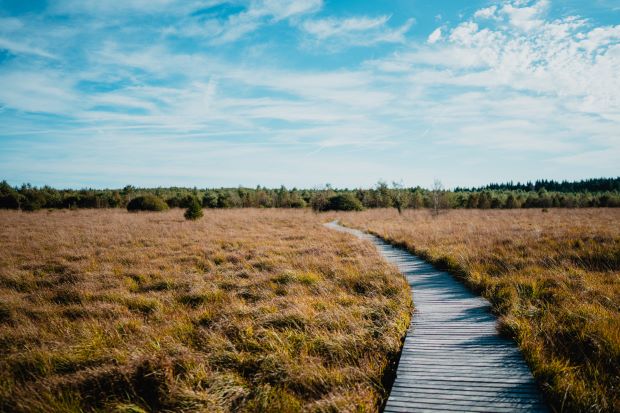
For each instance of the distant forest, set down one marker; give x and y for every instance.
(586, 185)
(602, 192)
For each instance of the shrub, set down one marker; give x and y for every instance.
(187, 201)
(9, 201)
(229, 199)
(31, 205)
(344, 202)
(180, 202)
(194, 211)
(9, 197)
(320, 201)
(297, 201)
(210, 199)
(147, 203)
(173, 202)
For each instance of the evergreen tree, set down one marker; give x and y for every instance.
(194, 210)
(511, 202)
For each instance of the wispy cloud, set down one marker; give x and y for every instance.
(230, 28)
(121, 8)
(357, 30)
(42, 91)
(24, 48)
(292, 78)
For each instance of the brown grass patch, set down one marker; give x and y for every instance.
(554, 278)
(244, 310)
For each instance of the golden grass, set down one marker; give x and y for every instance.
(554, 278)
(244, 310)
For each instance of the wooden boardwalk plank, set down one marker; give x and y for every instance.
(453, 359)
(432, 388)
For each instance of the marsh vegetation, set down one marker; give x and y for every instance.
(553, 278)
(267, 310)
(242, 310)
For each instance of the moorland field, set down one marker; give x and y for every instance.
(553, 278)
(243, 310)
(267, 310)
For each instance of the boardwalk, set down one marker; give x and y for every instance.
(453, 359)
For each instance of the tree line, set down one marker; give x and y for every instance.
(585, 185)
(495, 196)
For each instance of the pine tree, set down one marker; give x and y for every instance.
(194, 211)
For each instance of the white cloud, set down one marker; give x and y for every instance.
(563, 58)
(284, 9)
(434, 36)
(486, 13)
(122, 7)
(527, 17)
(600, 37)
(24, 48)
(508, 80)
(330, 27)
(257, 14)
(541, 85)
(260, 12)
(357, 30)
(40, 91)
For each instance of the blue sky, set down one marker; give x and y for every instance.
(308, 92)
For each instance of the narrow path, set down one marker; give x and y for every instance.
(453, 359)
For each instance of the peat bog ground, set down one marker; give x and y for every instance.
(243, 310)
(267, 310)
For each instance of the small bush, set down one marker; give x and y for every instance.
(344, 202)
(147, 203)
(30, 205)
(173, 202)
(9, 201)
(210, 199)
(194, 211)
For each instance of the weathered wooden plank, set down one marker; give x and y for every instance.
(440, 382)
(527, 392)
(427, 407)
(445, 405)
(474, 400)
(474, 392)
(465, 372)
(463, 364)
(453, 358)
(511, 368)
(458, 363)
(462, 378)
(443, 354)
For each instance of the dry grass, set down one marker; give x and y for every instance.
(243, 310)
(554, 278)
